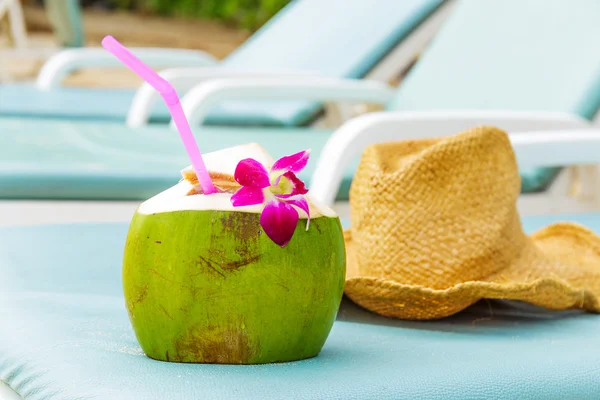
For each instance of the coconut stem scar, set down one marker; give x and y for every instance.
(169, 95)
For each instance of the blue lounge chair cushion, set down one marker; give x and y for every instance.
(65, 160)
(535, 180)
(65, 335)
(546, 61)
(53, 159)
(535, 55)
(73, 103)
(299, 38)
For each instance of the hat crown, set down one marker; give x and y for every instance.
(437, 212)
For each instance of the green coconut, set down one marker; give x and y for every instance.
(203, 283)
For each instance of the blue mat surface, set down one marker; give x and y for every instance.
(65, 335)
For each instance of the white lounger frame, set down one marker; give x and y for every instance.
(387, 126)
(12, 8)
(398, 125)
(184, 79)
(539, 139)
(65, 62)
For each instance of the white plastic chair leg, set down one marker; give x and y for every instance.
(17, 22)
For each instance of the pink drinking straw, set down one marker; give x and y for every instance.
(170, 97)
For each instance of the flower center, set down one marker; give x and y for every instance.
(285, 186)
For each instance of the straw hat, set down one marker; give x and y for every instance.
(435, 228)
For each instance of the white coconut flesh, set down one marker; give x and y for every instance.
(220, 164)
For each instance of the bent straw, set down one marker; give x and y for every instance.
(170, 97)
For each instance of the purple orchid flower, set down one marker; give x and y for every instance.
(279, 189)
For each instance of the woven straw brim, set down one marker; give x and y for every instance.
(559, 269)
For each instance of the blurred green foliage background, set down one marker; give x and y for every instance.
(245, 14)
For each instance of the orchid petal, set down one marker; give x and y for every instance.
(248, 196)
(301, 203)
(297, 185)
(292, 163)
(251, 173)
(279, 221)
